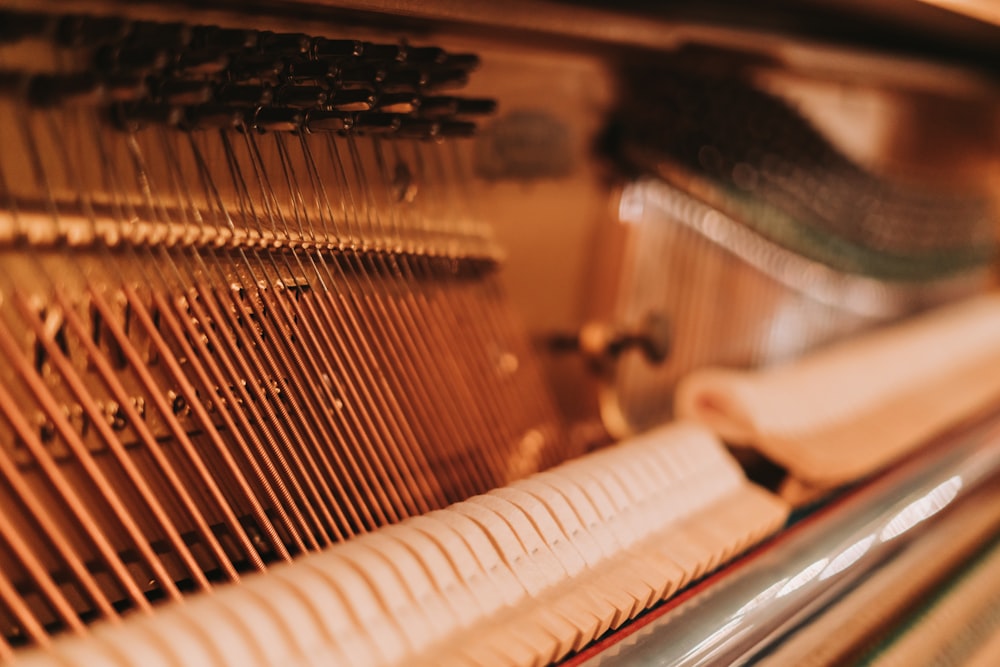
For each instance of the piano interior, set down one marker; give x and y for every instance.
(538, 332)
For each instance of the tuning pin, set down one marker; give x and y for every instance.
(277, 119)
(383, 53)
(318, 120)
(442, 106)
(404, 80)
(399, 103)
(336, 48)
(265, 68)
(425, 55)
(303, 97)
(438, 106)
(314, 72)
(446, 79)
(284, 43)
(352, 100)
(458, 129)
(360, 75)
(377, 123)
(418, 128)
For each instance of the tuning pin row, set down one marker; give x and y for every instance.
(196, 76)
(137, 115)
(181, 48)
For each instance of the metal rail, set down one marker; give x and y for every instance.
(736, 620)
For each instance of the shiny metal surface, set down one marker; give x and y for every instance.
(737, 619)
(682, 254)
